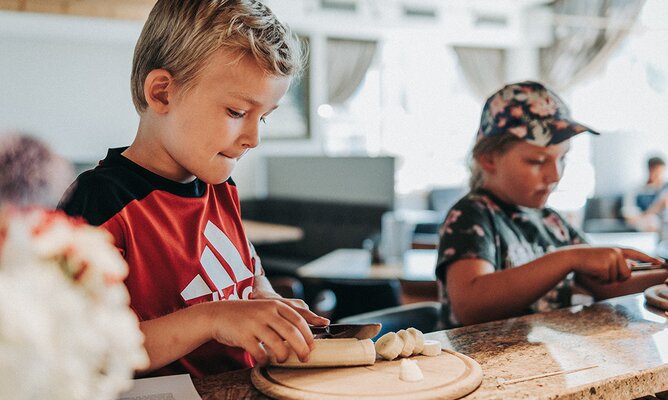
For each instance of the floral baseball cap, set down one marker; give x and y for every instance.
(531, 112)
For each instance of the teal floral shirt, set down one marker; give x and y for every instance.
(482, 226)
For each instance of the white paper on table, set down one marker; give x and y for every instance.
(172, 387)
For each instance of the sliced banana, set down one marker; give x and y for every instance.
(419, 340)
(410, 371)
(431, 348)
(389, 346)
(409, 343)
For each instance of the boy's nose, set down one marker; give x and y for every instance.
(251, 136)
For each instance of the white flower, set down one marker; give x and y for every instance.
(66, 331)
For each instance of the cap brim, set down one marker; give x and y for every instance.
(572, 128)
(583, 128)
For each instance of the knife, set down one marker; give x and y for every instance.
(339, 331)
(645, 266)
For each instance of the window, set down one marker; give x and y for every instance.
(419, 112)
(415, 104)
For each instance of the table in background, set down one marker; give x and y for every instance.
(415, 272)
(624, 338)
(643, 241)
(265, 233)
(417, 265)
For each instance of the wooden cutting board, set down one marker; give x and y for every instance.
(450, 375)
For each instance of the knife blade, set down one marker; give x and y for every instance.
(645, 266)
(340, 331)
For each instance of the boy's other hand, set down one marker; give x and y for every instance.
(258, 325)
(298, 305)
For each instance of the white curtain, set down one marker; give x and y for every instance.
(586, 34)
(347, 63)
(484, 69)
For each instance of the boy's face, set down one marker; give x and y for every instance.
(526, 174)
(210, 126)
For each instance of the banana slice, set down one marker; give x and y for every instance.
(409, 343)
(389, 346)
(419, 340)
(410, 371)
(431, 348)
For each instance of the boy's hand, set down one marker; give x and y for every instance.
(298, 305)
(258, 324)
(262, 289)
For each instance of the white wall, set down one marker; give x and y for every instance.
(619, 158)
(70, 89)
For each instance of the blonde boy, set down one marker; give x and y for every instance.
(206, 74)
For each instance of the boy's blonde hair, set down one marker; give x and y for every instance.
(488, 145)
(181, 35)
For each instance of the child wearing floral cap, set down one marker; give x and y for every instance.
(502, 253)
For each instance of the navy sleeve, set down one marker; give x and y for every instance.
(95, 197)
(467, 233)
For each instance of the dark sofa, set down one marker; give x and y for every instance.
(326, 226)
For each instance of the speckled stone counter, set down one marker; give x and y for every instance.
(623, 341)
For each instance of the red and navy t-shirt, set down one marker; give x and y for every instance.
(184, 244)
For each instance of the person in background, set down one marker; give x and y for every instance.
(502, 253)
(206, 75)
(642, 207)
(31, 174)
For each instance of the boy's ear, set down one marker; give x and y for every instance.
(158, 90)
(487, 162)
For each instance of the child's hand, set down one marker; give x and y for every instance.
(262, 289)
(607, 264)
(298, 305)
(246, 324)
(302, 308)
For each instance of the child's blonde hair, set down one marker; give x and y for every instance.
(181, 35)
(488, 145)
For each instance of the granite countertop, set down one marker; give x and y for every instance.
(624, 340)
(622, 343)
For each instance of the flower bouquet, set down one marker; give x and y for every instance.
(66, 331)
